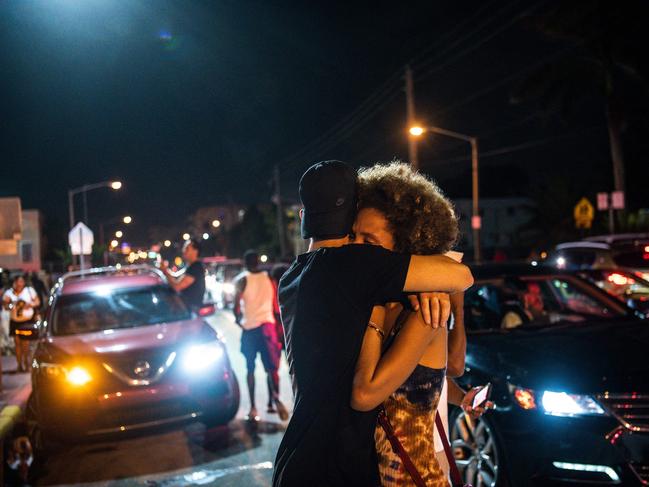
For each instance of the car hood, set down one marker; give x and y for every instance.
(130, 339)
(579, 358)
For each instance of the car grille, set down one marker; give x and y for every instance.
(632, 410)
(642, 471)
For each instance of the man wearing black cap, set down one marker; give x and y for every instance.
(326, 299)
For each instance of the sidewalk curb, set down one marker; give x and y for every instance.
(13, 411)
(8, 417)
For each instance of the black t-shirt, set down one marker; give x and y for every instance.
(326, 299)
(193, 295)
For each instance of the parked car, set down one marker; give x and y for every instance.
(570, 378)
(622, 251)
(119, 351)
(625, 285)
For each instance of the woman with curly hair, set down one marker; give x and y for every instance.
(403, 211)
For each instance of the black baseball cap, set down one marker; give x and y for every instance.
(329, 194)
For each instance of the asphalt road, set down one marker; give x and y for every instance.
(235, 455)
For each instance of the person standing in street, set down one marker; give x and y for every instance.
(254, 312)
(190, 284)
(23, 303)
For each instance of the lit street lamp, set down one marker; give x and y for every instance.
(115, 185)
(167, 243)
(475, 219)
(119, 234)
(127, 219)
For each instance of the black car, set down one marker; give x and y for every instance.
(570, 380)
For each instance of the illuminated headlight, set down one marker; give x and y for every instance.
(76, 376)
(197, 358)
(557, 403)
(563, 404)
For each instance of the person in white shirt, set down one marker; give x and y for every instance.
(23, 302)
(254, 313)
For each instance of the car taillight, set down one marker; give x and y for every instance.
(619, 279)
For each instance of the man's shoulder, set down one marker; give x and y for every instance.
(357, 253)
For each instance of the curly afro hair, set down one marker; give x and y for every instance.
(420, 217)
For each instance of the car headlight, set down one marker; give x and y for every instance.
(76, 376)
(197, 358)
(564, 404)
(557, 403)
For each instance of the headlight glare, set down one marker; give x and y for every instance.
(197, 358)
(564, 404)
(78, 376)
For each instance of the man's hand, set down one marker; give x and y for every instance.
(435, 307)
(467, 404)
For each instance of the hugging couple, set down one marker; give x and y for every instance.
(356, 341)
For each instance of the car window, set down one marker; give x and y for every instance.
(511, 302)
(91, 312)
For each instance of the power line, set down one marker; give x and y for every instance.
(337, 133)
(519, 147)
(480, 42)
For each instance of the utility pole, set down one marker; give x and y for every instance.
(476, 221)
(410, 113)
(280, 212)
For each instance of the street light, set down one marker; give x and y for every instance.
(127, 219)
(119, 234)
(186, 236)
(167, 243)
(115, 185)
(417, 131)
(114, 243)
(206, 236)
(216, 223)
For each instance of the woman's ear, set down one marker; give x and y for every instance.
(301, 214)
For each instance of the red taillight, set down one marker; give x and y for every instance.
(620, 279)
(206, 310)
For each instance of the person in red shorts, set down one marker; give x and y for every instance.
(254, 313)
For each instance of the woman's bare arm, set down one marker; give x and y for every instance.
(377, 377)
(456, 338)
(437, 273)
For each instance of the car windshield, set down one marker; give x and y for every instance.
(536, 301)
(122, 308)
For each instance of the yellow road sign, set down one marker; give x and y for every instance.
(584, 213)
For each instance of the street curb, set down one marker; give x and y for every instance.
(8, 417)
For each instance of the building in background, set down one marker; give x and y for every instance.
(502, 221)
(20, 237)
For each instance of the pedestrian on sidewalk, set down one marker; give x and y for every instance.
(23, 303)
(253, 310)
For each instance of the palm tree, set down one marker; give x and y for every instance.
(607, 63)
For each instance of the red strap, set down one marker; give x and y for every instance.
(456, 478)
(398, 448)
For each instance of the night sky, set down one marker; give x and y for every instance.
(192, 103)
